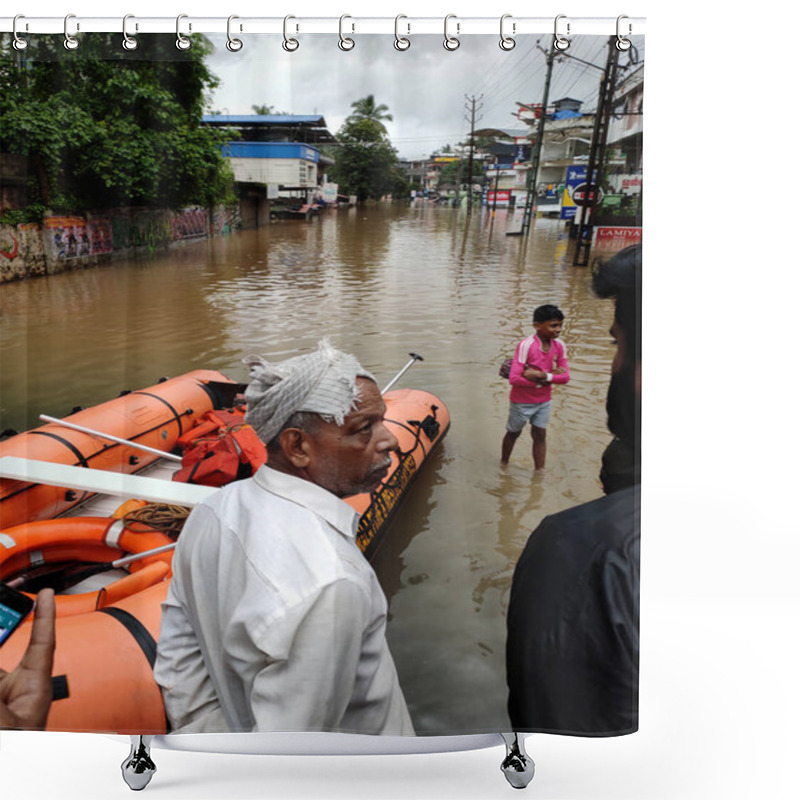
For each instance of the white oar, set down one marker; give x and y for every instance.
(393, 381)
(122, 562)
(116, 439)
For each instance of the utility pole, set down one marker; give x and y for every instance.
(597, 155)
(472, 108)
(536, 155)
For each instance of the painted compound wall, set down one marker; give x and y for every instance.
(71, 242)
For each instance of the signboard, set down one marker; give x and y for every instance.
(503, 198)
(584, 194)
(575, 177)
(626, 184)
(613, 238)
(330, 192)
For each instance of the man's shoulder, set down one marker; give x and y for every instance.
(569, 546)
(609, 509)
(612, 520)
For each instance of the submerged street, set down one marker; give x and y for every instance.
(381, 281)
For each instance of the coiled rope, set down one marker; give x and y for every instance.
(162, 517)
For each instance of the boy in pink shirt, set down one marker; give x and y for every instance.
(539, 361)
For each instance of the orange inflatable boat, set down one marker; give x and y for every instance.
(155, 417)
(106, 637)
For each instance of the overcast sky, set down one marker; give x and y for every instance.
(424, 87)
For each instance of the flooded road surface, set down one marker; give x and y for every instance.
(381, 282)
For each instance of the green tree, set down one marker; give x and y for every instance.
(366, 162)
(366, 108)
(265, 110)
(103, 127)
(456, 172)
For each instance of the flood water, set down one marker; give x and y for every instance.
(381, 282)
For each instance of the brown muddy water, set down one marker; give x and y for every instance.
(381, 282)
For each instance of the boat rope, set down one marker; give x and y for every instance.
(163, 517)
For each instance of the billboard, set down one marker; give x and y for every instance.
(576, 176)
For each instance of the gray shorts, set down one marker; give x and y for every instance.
(537, 414)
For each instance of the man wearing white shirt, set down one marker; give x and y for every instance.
(274, 620)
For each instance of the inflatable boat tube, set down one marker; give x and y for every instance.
(92, 540)
(156, 417)
(103, 668)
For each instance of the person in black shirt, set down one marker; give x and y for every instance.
(572, 652)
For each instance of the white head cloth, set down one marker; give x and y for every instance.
(322, 383)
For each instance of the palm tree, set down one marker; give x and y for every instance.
(263, 110)
(365, 108)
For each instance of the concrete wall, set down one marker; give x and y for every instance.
(70, 242)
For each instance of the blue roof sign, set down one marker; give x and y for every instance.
(304, 152)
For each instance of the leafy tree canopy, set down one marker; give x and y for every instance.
(367, 108)
(103, 127)
(366, 163)
(265, 110)
(455, 172)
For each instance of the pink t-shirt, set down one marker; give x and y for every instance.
(525, 391)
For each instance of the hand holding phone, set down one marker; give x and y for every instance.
(26, 692)
(14, 607)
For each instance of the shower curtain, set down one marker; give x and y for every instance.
(169, 207)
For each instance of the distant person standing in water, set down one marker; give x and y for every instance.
(539, 362)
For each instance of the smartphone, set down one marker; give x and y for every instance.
(14, 607)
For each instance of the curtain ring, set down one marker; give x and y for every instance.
(234, 45)
(182, 43)
(622, 43)
(70, 42)
(128, 42)
(289, 45)
(507, 42)
(400, 42)
(451, 42)
(345, 43)
(19, 43)
(560, 42)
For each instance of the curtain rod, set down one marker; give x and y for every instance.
(403, 25)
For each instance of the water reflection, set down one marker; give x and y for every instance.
(381, 282)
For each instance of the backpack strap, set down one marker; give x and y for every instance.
(525, 348)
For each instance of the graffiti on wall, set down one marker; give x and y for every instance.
(100, 236)
(67, 237)
(75, 237)
(9, 246)
(64, 241)
(189, 223)
(224, 219)
(21, 251)
(150, 229)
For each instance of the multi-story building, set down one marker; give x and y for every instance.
(618, 220)
(276, 161)
(567, 138)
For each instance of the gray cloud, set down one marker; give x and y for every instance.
(424, 87)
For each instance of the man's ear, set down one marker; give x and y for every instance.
(295, 446)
